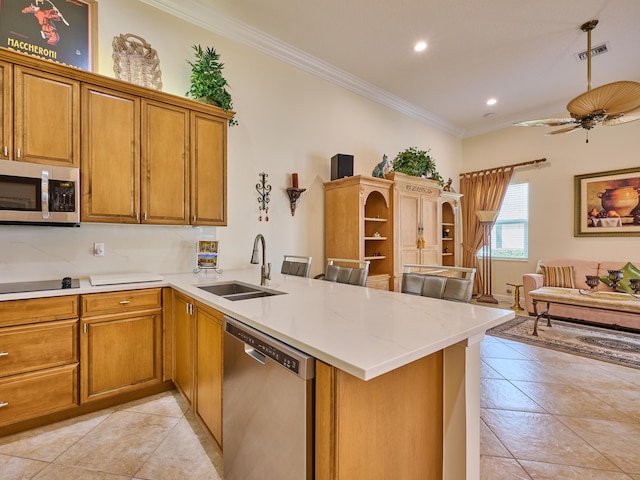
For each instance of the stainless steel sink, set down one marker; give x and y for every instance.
(239, 291)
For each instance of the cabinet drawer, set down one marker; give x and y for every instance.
(21, 312)
(33, 394)
(38, 346)
(126, 301)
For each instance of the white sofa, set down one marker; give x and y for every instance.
(581, 268)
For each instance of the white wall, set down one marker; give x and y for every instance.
(290, 121)
(551, 188)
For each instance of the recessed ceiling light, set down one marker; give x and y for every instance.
(492, 101)
(420, 46)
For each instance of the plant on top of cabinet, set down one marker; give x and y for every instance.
(207, 83)
(417, 163)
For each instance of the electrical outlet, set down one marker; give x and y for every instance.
(98, 249)
(509, 290)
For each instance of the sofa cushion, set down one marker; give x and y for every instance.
(558, 276)
(581, 268)
(629, 271)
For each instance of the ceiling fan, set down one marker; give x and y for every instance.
(611, 104)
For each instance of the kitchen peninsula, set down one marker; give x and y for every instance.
(397, 376)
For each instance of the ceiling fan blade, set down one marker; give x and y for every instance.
(626, 117)
(616, 97)
(545, 122)
(565, 130)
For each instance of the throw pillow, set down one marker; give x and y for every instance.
(629, 271)
(557, 276)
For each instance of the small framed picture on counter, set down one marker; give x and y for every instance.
(208, 254)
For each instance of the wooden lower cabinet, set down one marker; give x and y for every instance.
(38, 357)
(38, 393)
(183, 350)
(38, 346)
(209, 325)
(388, 427)
(197, 350)
(122, 351)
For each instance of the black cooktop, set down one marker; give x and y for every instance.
(39, 286)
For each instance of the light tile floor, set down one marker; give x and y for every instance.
(156, 438)
(556, 416)
(545, 415)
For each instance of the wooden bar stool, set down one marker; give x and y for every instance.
(516, 296)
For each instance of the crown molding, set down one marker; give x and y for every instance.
(209, 18)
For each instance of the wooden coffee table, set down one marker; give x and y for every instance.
(613, 301)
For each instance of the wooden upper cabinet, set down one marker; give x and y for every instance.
(110, 182)
(208, 169)
(6, 115)
(165, 164)
(47, 118)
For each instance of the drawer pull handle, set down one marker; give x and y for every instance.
(4, 354)
(125, 302)
(4, 404)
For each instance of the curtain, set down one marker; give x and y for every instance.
(483, 190)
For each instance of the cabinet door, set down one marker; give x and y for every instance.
(408, 229)
(208, 169)
(47, 118)
(209, 369)
(430, 221)
(183, 351)
(120, 353)
(6, 115)
(110, 170)
(165, 164)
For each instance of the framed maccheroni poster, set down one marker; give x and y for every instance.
(64, 31)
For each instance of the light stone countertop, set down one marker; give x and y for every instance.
(363, 331)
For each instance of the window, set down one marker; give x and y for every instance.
(510, 234)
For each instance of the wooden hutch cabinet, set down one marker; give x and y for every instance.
(358, 224)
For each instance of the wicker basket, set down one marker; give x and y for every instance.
(135, 61)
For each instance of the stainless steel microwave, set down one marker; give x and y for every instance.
(35, 194)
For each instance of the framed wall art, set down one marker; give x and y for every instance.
(607, 203)
(64, 31)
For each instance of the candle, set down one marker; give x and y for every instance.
(294, 180)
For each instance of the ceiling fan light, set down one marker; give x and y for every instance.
(610, 104)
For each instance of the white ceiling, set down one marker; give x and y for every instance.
(522, 53)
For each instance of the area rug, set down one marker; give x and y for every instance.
(600, 343)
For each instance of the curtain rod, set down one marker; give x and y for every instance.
(521, 164)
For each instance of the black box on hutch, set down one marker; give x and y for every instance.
(341, 166)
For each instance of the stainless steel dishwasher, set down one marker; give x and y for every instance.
(268, 392)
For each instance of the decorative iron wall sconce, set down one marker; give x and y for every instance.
(264, 190)
(294, 193)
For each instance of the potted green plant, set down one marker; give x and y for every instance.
(207, 83)
(417, 163)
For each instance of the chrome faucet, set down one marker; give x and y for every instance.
(265, 271)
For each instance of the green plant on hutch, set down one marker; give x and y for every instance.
(207, 83)
(417, 163)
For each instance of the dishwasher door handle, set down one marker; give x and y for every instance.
(256, 355)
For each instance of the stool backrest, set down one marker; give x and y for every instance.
(448, 283)
(352, 275)
(296, 265)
